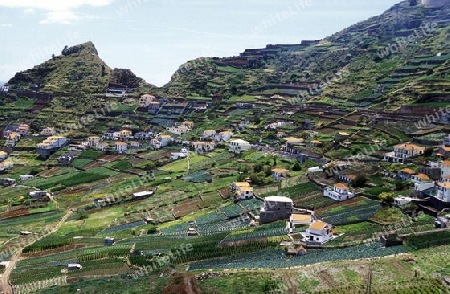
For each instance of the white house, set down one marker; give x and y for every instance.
(165, 139)
(52, 142)
(143, 135)
(203, 146)
(120, 147)
(135, 144)
(244, 193)
(401, 201)
(93, 141)
(279, 174)
(103, 146)
(3, 155)
(340, 192)
(122, 135)
(239, 145)
(234, 186)
(26, 177)
(12, 139)
(223, 136)
(403, 151)
(180, 130)
(208, 133)
(319, 232)
(155, 143)
(23, 129)
(182, 154)
(422, 182)
(443, 192)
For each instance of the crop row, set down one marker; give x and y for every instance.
(349, 214)
(277, 259)
(122, 227)
(255, 235)
(232, 210)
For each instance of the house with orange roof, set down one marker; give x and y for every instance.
(318, 233)
(340, 192)
(279, 174)
(12, 139)
(403, 151)
(244, 193)
(405, 174)
(347, 178)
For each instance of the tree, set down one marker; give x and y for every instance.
(257, 167)
(359, 181)
(428, 152)
(387, 198)
(296, 166)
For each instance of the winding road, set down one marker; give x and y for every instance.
(6, 287)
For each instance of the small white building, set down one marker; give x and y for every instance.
(203, 146)
(155, 143)
(93, 141)
(239, 145)
(401, 201)
(26, 177)
(443, 192)
(52, 142)
(37, 194)
(403, 151)
(74, 266)
(209, 134)
(319, 232)
(120, 147)
(165, 139)
(177, 155)
(340, 192)
(180, 130)
(223, 136)
(244, 193)
(279, 173)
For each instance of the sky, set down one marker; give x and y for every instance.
(154, 37)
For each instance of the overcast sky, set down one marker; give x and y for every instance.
(154, 37)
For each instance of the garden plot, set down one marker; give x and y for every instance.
(186, 207)
(350, 213)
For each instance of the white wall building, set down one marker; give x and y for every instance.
(340, 192)
(239, 145)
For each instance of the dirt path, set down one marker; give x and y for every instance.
(6, 286)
